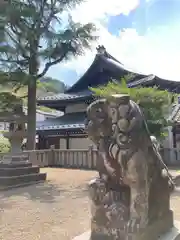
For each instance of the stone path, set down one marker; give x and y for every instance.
(56, 210)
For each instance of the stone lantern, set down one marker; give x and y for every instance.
(16, 168)
(17, 129)
(16, 133)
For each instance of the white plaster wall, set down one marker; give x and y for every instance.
(62, 143)
(178, 141)
(168, 141)
(178, 144)
(79, 107)
(40, 117)
(4, 126)
(80, 143)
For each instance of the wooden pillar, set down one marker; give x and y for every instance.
(67, 142)
(174, 136)
(41, 142)
(56, 142)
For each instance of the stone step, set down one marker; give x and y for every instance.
(5, 188)
(19, 158)
(18, 171)
(21, 180)
(15, 165)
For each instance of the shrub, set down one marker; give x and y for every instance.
(4, 145)
(154, 103)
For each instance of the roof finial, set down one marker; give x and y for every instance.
(101, 49)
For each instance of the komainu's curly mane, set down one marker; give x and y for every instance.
(118, 126)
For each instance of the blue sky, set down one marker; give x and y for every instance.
(142, 34)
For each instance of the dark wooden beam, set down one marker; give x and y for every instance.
(174, 132)
(67, 143)
(62, 132)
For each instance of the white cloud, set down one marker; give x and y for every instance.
(98, 11)
(93, 10)
(156, 52)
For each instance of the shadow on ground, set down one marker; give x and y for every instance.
(176, 192)
(46, 192)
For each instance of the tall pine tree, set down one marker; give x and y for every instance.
(33, 32)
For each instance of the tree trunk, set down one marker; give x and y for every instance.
(33, 69)
(31, 124)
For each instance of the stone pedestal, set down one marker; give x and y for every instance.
(110, 209)
(16, 169)
(19, 174)
(172, 234)
(111, 212)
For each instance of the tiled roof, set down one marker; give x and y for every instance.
(67, 121)
(142, 80)
(53, 113)
(103, 68)
(63, 96)
(64, 126)
(175, 116)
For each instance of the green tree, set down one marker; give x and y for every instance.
(35, 35)
(4, 145)
(9, 101)
(154, 103)
(49, 84)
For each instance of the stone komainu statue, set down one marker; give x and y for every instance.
(131, 193)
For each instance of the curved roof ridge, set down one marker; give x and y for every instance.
(105, 66)
(101, 57)
(69, 90)
(101, 50)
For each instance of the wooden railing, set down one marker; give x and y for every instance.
(81, 159)
(74, 158)
(39, 157)
(171, 156)
(36, 157)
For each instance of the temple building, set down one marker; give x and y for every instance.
(175, 118)
(68, 131)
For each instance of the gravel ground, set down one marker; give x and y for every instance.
(58, 209)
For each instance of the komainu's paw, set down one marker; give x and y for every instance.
(133, 226)
(97, 190)
(171, 186)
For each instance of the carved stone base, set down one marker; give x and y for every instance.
(152, 232)
(156, 229)
(172, 234)
(110, 210)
